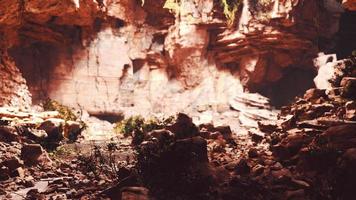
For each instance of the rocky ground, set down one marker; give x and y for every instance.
(308, 152)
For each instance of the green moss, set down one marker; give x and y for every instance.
(230, 9)
(65, 112)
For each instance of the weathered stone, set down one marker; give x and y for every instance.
(349, 87)
(12, 163)
(19, 172)
(242, 167)
(349, 4)
(72, 130)
(31, 153)
(350, 110)
(191, 149)
(290, 145)
(225, 131)
(4, 173)
(340, 137)
(314, 94)
(134, 193)
(8, 134)
(53, 128)
(184, 127)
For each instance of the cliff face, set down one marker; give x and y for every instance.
(109, 56)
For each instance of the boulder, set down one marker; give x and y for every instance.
(314, 94)
(72, 129)
(12, 163)
(184, 127)
(53, 128)
(37, 135)
(8, 134)
(340, 137)
(350, 113)
(134, 193)
(290, 145)
(4, 173)
(225, 131)
(31, 153)
(242, 167)
(18, 172)
(191, 149)
(349, 87)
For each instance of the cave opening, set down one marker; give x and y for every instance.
(294, 82)
(109, 117)
(37, 62)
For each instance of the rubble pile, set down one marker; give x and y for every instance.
(28, 167)
(315, 136)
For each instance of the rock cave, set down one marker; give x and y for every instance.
(178, 99)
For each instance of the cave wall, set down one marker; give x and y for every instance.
(119, 56)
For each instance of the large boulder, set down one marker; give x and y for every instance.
(184, 127)
(31, 153)
(8, 134)
(349, 87)
(54, 128)
(340, 137)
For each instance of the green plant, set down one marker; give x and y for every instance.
(172, 5)
(230, 8)
(138, 127)
(65, 112)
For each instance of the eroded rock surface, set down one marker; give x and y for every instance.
(116, 56)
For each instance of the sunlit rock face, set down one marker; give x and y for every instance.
(270, 36)
(115, 56)
(349, 4)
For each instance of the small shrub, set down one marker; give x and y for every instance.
(65, 112)
(230, 8)
(137, 127)
(102, 160)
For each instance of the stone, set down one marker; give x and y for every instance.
(31, 153)
(161, 135)
(123, 172)
(349, 4)
(253, 153)
(215, 135)
(349, 87)
(341, 137)
(257, 138)
(72, 129)
(242, 167)
(350, 110)
(295, 194)
(38, 135)
(314, 94)
(53, 128)
(12, 163)
(225, 131)
(19, 172)
(183, 127)
(8, 134)
(134, 193)
(4, 173)
(267, 126)
(205, 134)
(191, 149)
